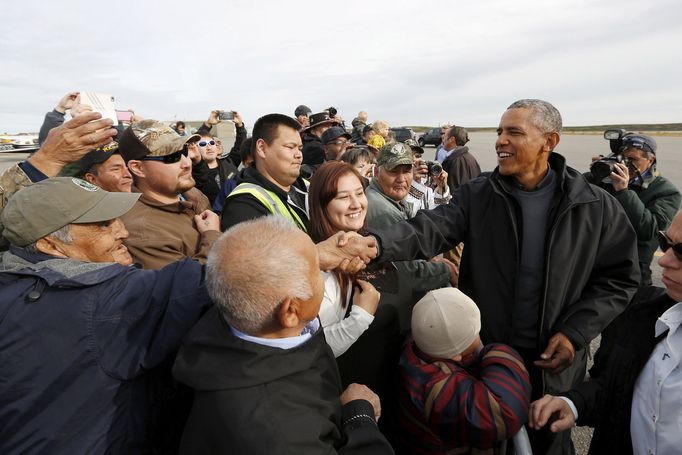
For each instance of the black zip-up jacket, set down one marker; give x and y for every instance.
(256, 399)
(591, 270)
(605, 401)
(245, 207)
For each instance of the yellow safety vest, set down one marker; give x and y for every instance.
(269, 200)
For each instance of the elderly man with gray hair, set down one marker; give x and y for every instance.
(549, 259)
(265, 379)
(80, 326)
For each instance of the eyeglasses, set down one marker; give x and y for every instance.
(205, 143)
(167, 159)
(338, 142)
(664, 243)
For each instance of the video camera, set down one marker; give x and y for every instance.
(603, 167)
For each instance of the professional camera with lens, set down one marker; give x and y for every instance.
(603, 167)
(434, 168)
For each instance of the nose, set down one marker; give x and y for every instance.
(185, 162)
(669, 261)
(501, 139)
(354, 202)
(119, 229)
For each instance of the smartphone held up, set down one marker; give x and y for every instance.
(225, 115)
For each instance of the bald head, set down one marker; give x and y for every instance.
(256, 265)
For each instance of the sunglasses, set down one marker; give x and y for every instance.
(664, 243)
(205, 143)
(168, 159)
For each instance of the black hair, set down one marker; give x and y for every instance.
(266, 128)
(460, 134)
(353, 155)
(245, 149)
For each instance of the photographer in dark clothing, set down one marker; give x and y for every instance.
(649, 199)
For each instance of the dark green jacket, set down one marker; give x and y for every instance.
(415, 277)
(649, 210)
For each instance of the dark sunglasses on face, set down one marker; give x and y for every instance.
(205, 143)
(664, 243)
(168, 159)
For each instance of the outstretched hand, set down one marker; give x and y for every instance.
(348, 251)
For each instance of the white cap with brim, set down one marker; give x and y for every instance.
(47, 206)
(445, 322)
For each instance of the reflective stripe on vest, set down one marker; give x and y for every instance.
(270, 200)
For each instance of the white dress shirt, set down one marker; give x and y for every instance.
(282, 343)
(341, 331)
(656, 422)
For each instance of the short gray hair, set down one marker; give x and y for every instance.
(544, 116)
(62, 234)
(252, 268)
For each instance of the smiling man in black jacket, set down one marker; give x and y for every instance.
(549, 258)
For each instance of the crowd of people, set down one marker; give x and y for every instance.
(323, 289)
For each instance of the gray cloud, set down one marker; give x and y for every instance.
(406, 62)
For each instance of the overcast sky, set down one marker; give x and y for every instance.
(410, 63)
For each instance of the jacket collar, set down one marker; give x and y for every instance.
(54, 270)
(571, 182)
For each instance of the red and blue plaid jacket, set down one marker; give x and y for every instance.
(446, 405)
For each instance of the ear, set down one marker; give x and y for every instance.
(51, 246)
(136, 167)
(90, 178)
(552, 141)
(260, 148)
(287, 314)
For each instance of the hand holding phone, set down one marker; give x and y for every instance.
(100, 102)
(225, 115)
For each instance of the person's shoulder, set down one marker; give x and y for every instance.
(660, 183)
(241, 207)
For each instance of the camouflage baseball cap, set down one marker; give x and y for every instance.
(393, 155)
(49, 205)
(149, 137)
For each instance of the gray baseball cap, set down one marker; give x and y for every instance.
(49, 205)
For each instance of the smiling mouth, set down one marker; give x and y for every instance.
(354, 216)
(503, 154)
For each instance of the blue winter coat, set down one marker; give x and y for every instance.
(75, 341)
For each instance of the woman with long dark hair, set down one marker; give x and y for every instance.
(337, 202)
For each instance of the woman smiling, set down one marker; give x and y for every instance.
(338, 203)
